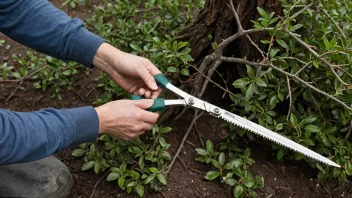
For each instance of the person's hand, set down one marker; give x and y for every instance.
(133, 73)
(126, 119)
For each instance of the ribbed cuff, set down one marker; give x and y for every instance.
(83, 47)
(87, 124)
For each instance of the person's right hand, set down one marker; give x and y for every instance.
(126, 119)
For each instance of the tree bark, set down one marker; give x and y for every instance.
(217, 20)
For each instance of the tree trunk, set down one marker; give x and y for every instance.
(217, 20)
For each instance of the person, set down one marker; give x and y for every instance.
(28, 139)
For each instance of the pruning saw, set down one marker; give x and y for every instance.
(191, 101)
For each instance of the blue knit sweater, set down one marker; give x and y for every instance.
(28, 136)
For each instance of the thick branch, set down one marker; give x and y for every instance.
(241, 61)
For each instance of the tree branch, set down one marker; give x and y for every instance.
(238, 22)
(241, 61)
(302, 10)
(317, 56)
(332, 20)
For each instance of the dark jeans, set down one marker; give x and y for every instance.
(47, 177)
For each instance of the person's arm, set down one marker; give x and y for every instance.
(28, 136)
(44, 28)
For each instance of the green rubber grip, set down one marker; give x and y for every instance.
(161, 80)
(159, 103)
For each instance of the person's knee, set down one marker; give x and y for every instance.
(48, 177)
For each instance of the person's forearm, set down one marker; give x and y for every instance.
(42, 27)
(28, 136)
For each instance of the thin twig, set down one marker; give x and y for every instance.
(183, 164)
(190, 143)
(238, 22)
(10, 96)
(95, 186)
(256, 46)
(293, 58)
(289, 95)
(241, 61)
(210, 74)
(198, 134)
(302, 10)
(22, 80)
(306, 65)
(317, 56)
(332, 20)
(168, 168)
(75, 92)
(222, 88)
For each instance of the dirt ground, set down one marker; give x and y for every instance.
(282, 179)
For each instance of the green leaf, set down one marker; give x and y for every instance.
(185, 51)
(349, 168)
(185, 72)
(139, 190)
(121, 183)
(161, 178)
(282, 43)
(136, 47)
(222, 159)
(211, 175)
(327, 44)
(171, 69)
(112, 176)
(295, 27)
(162, 141)
(293, 120)
(237, 162)
(280, 154)
(238, 191)
(210, 146)
(310, 119)
(154, 170)
(165, 130)
(201, 152)
(260, 82)
(249, 184)
(88, 165)
(250, 92)
(273, 52)
(312, 128)
(78, 153)
(240, 83)
(216, 163)
(149, 179)
(262, 13)
(97, 167)
(250, 71)
(166, 155)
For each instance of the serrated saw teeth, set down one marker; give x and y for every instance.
(272, 136)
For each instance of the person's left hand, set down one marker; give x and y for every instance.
(133, 73)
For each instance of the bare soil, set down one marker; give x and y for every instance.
(282, 179)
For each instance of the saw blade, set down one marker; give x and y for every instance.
(266, 133)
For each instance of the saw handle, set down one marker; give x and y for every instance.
(159, 103)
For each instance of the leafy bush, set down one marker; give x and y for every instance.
(231, 168)
(290, 107)
(132, 164)
(145, 28)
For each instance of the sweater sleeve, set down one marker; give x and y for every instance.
(44, 28)
(28, 136)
